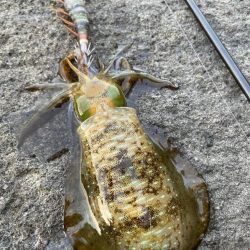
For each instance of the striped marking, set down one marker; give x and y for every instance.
(79, 15)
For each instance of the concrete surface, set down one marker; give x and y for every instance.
(207, 118)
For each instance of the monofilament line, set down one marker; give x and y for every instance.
(205, 68)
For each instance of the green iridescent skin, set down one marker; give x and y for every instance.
(86, 104)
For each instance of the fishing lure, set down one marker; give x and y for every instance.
(128, 192)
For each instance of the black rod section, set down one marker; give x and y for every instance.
(234, 69)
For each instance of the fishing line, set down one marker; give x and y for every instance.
(204, 67)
